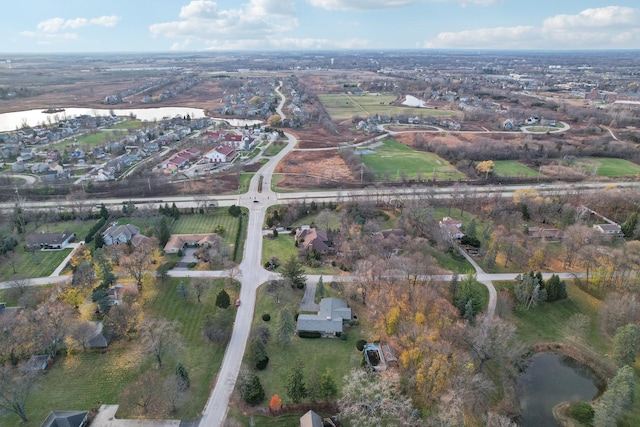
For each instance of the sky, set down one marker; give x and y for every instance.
(57, 26)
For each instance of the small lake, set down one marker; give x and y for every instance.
(548, 380)
(12, 121)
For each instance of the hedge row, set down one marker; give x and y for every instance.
(97, 226)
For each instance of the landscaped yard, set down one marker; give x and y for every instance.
(206, 223)
(336, 355)
(102, 376)
(283, 247)
(29, 265)
(602, 166)
(512, 168)
(344, 106)
(395, 161)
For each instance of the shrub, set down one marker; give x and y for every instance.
(343, 336)
(262, 364)
(306, 334)
(360, 344)
(582, 412)
(222, 299)
(266, 317)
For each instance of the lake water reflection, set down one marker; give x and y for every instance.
(15, 120)
(551, 379)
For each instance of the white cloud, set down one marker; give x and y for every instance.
(386, 4)
(58, 24)
(600, 28)
(247, 27)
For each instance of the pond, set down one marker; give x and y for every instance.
(14, 120)
(551, 379)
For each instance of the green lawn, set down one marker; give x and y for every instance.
(512, 168)
(245, 179)
(323, 353)
(102, 376)
(283, 247)
(80, 228)
(607, 167)
(343, 106)
(393, 161)
(206, 223)
(128, 124)
(29, 265)
(274, 148)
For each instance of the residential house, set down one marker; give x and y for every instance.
(549, 234)
(98, 338)
(117, 234)
(66, 419)
(312, 239)
(451, 227)
(119, 291)
(40, 168)
(222, 154)
(608, 229)
(57, 240)
(333, 314)
(178, 241)
(311, 419)
(18, 166)
(38, 362)
(27, 154)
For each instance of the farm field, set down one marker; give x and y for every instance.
(344, 106)
(512, 168)
(393, 161)
(606, 167)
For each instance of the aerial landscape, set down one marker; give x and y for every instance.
(277, 214)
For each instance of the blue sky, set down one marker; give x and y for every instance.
(49, 26)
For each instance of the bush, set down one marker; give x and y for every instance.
(262, 364)
(343, 336)
(222, 299)
(582, 412)
(306, 334)
(266, 317)
(360, 344)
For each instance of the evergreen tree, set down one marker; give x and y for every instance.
(250, 388)
(625, 344)
(328, 387)
(293, 270)
(104, 213)
(628, 227)
(222, 299)
(286, 327)
(163, 231)
(296, 388)
(181, 372)
(175, 212)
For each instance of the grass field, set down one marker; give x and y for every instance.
(206, 223)
(274, 148)
(283, 247)
(29, 265)
(337, 355)
(102, 376)
(344, 106)
(512, 168)
(394, 160)
(606, 167)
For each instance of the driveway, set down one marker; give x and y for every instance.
(188, 256)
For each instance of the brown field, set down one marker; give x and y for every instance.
(318, 137)
(313, 169)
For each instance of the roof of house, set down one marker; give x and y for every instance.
(312, 238)
(65, 419)
(447, 220)
(333, 312)
(545, 233)
(98, 338)
(608, 227)
(177, 241)
(311, 419)
(49, 238)
(226, 150)
(129, 230)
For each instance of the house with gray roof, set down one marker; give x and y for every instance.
(117, 234)
(66, 419)
(330, 319)
(56, 240)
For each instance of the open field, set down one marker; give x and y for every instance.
(513, 168)
(344, 106)
(606, 167)
(102, 376)
(393, 161)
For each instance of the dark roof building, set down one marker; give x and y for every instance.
(49, 240)
(66, 419)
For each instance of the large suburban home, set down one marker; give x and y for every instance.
(49, 240)
(117, 234)
(310, 239)
(608, 229)
(222, 154)
(451, 227)
(66, 419)
(330, 319)
(178, 241)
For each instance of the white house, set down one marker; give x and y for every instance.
(221, 154)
